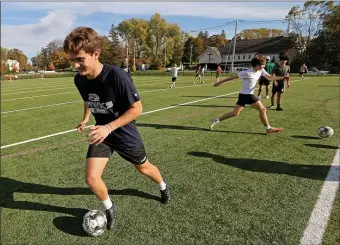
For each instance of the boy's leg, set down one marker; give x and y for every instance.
(93, 176)
(264, 119)
(279, 101)
(237, 110)
(267, 91)
(260, 89)
(272, 99)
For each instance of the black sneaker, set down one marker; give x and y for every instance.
(279, 109)
(111, 216)
(269, 107)
(165, 194)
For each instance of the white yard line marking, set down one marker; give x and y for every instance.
(45, 95)
(38, 107)
(145, 113)
(322, 211)
(39, 90)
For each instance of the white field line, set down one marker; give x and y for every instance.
(48, 85)
(45, 95)
(38, 107)
(145, 113)
(64, 103)
(319, 218)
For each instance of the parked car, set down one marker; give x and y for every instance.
(314, 71)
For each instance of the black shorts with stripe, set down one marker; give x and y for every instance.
(246, 99)
(280, 88)
(106, 149)
(264, 81)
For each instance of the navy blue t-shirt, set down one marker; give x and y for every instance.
(109, 96)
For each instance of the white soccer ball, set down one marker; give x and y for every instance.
(325, 132)
(94, 222)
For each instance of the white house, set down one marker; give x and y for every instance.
(245, 51)
(13, 63)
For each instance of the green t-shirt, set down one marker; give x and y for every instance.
(269, 67)
(281, 71)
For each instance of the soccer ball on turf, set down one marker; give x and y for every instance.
(325, 132)
(94, 222)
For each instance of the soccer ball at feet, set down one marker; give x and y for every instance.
(94, 222)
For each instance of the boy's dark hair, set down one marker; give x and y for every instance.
(258, 60)
(284, 56)
(82, 38)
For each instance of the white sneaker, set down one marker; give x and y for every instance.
(259, 96)
(267, 96)
(214, 122)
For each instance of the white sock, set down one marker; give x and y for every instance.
(267, 127)
(107, 203)
(162, 186)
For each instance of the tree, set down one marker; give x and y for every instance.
(112, 52)
(44, 59)
(4, 52)
(51, 67)
(18, 55)
(216, 41)
(60, 59)
(307, 22)
(259, 33)
(157, 33)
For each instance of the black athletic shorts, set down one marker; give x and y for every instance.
(264, 81)
(301, 72)
(174, 79)
(246, 99)
(280, 88)
(105, 150)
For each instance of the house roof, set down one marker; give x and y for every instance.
(261, 45)
(213, 49)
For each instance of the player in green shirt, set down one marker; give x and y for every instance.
(263, 81)
(279, 86)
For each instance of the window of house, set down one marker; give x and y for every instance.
(249, 56)
(244, 56)
(239, 57)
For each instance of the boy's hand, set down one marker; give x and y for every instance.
(98, 134)
(81, 126)
(275, 83)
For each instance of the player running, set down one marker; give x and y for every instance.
(109, 94)
(218, 73)
(174, 73)
(198, 73)
(303, 69)
(264, 81)
(246, 96)
(279, 86)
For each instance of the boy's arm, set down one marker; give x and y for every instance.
(225, 80)
(86, 118)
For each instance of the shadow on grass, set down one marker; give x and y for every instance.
(68, 224)
(317, 172)
(323, 146)
(305, 137)
(178, 127)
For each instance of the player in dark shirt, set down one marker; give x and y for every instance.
(109, 94)
(282, 69)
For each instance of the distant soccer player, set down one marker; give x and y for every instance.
(246, 96)
(174, 73)
(279, 86)
(218, 73)
(303, 69)
(109, 94)
(264, 81)
(198, 72)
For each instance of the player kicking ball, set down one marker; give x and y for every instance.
(109, 94)
(174, 74)
(246, 96)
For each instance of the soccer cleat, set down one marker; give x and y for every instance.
(269, 107)
(267, 97)
(279, 109)
(165, 194)
(214, 122)
(274, 130)
(111, 216)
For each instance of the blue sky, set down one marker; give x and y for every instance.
(31, 25)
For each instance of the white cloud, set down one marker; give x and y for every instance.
(31, 37)
(61, 16)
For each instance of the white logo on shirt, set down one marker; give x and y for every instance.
(96, 107)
